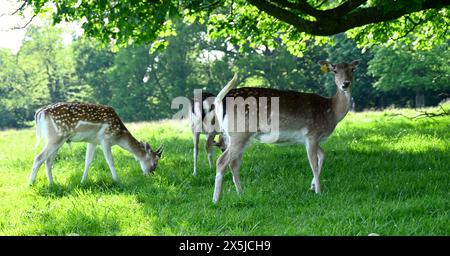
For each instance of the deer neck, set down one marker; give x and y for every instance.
(132, 145)
(341, 103)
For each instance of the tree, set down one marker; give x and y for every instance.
(130, 89)
(409, 69)
(259, 21)
(47, 63)
(16, 99)
(93, 66)
(41, 72)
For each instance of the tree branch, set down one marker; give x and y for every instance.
(161, 88)
(346, 16)
(305, 7)
(425, 114)
(415, 25)
(19, 9)
(301, 6)
(320, 4)
(283, 15)
(26, 24)
(347, 7)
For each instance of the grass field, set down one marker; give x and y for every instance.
(383, 174)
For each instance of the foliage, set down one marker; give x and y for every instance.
(129, 22)
(418, 71)
(421, 30)
(129, 89)
(405, 67)
(140, 82)
(404, 194)
(49, 64)
(43, 71)
(92, 66)
(15, 96)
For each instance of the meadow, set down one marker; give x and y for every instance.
(383, 174)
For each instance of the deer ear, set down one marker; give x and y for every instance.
(355, 62)
(326, 66)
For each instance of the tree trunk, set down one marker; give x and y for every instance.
(420, 99)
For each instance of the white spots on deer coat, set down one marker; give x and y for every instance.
(68, 118)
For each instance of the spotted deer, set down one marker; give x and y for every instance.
(202, 120)
(304, 118)
(95, 124)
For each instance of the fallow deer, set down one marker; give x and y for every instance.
(95, 124)
(304, 118)
(202, 119)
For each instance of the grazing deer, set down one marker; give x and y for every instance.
(202, 121)
(95, 124)
(302, 118)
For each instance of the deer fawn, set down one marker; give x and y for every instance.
(202, 119)
(302, 118)
(95, 124)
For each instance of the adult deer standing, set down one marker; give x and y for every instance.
(95, 124)
(303, 118)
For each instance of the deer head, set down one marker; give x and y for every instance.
(343, 73)
(150, 159)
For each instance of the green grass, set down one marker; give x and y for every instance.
(383, 174)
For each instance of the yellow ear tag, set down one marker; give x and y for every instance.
(324, 68)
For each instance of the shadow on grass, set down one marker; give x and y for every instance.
(73, 183)
(76, 219)
(278, 178)
(99, 177)
(358, 172)
(176, 165)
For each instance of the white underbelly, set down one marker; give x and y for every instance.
(84, 136)
(284, 137)
(88, 132)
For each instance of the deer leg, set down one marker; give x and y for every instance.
(42, 157)
(232, 156)
(221, 166)
(38, 160)
(312, 151)
(235, 166)
(106, 147)
(49, 164)
(196, 137)
(90, 150)
(209, 147)
(321, 158)
(48, 167)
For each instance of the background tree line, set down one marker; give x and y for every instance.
(141, 81)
